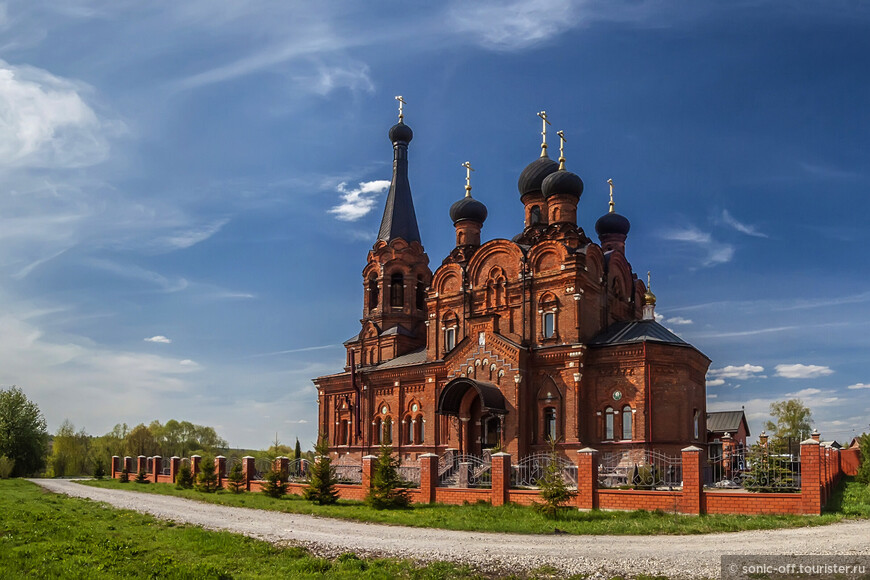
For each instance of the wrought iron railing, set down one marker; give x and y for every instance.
(754, 469)
(166, 466)
(298, 470)
(411, 474)
(262, 466)
(640, 469)
(532, 468)
(348, 471)
(467, 471)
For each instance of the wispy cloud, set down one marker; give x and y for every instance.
(804, 393)
(679, 320)
(829, 172)
(354, 76)
(742, 372)
(357, 203)
(741, 227)
(515, 25)
(188, 237)
(857, 386)
(802, 371)
(714, 252)
(159, 338)
(295, 350)
(134, 272)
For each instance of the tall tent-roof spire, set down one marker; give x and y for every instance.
(400, 220)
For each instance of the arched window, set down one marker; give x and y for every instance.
(409, 421)
(374, 293)
(608, 423)
(550, 424)
(397, 290)
(344, 433)
(449, 339)
(420, 435)
(376, 431)
(421, 293)
(626, 423)
(549, 324)
(535, 215)
(387, 432)
(697, 423)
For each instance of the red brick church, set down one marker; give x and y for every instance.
(510, 342)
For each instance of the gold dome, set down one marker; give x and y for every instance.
(649, 297)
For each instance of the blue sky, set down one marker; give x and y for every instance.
(189, 189)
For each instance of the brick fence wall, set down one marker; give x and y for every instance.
(821, 470)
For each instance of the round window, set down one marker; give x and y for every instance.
(617, 395)
(384, 409)
(414, 407)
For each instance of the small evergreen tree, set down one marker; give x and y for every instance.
(297, 451)
(275, 484)
(125, 476)
(184, 478)
(864, 465)
(321, 485)
(99, 469)
(387, 487)
(207, 481)
(236, 479)
(768, 471)
(554, 491)
(142, 476)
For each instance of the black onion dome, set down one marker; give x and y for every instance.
(563, 182)
(612, 223)
(468, 208)
(533, 175)
(401, 132)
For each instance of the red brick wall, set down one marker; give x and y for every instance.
(723, 502)
(850, 460)
(627, 499)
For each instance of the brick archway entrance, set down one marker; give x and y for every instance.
(480, 408)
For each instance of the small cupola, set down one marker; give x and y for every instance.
(649, 301)
(532, 179)
(612, 228)
(468, 214)
(562, 190)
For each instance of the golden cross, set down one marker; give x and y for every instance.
(648, 284)
(401, 105)
(562, 142)
(468, 170)
(543, 116)
(610, 181)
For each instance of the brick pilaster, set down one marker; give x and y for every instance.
(282, 466)
(693, 480)
(248, 470)
(156, 467)
(116, 466)
(174, 466)
(428, 477)
(811, 485)
(501, 478)
(194, 465)
(587, 479)
(220, 467)
(368, 468)
(141, 464)
(128, 465)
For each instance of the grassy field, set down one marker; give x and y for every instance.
(852, 500)
(43, 535)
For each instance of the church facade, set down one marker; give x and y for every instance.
(510, 343)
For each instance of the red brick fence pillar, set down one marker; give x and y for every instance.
(128, 465)
(220, 466)
(248, 470)
(428, 477)
(141, 463)
(195, 460)
(811, 484)
(282, 466)
(368, 468)
(587, 479)
(174, 465)
(501, 477)
(693, 480)
(156, 467)
(116, 466)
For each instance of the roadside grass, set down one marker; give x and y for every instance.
(511, 518)
(45, 535)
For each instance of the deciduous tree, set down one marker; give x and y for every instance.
(23, 437)
(791, 420)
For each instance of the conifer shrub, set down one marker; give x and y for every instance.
(207, 480)
(388, 490)
(275, 484)
(768, 471)
(125, 476)
(236, 479)
(99, 469)
(184, 478)
(554, 490)
(322, 481)
(142, 476)
(864, 466)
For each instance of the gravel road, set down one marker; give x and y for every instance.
(599, 556)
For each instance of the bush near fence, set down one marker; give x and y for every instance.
(821, 469)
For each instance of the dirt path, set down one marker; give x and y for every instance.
(673, 556)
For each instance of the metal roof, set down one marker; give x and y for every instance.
(636, 331)
(726, 421)
(415, 357)
(400, 220)
(398, 329)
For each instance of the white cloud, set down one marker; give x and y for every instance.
(743, 372)
(804, 393)
(679, 320)
(858, 386)
(188, 363)
(741, 227)
(659, 317)
(714, 252)
(801, 371)
(353, 76)
(712, 396)
(715, 382)
(192, 236)
(159, 338)
(46, 122)
(514, 25)
(357, 203)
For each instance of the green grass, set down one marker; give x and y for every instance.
(44, 535)
(854, 501)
